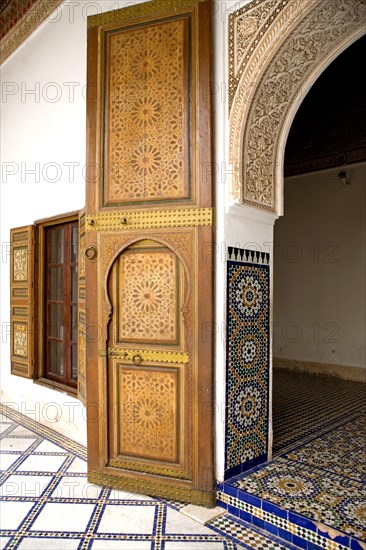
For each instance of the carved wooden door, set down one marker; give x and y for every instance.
(148, 251)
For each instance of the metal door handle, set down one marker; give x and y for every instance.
(90, 252)
(137, 359)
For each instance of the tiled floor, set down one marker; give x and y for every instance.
(314, 491)
(47, 503)
(304, 404)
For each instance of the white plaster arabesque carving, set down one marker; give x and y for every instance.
(277, 48)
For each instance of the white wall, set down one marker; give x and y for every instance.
(319, 271)
(43, 131)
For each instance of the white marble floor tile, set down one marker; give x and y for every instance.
(124, 495)
(7, 460)
(48, 447)
(3, 542)
(24, 486)
(68, 517)
(127, 519)
(194, 545)
(76, 487)
(36, 543)
(120, 545)
(41, 463)
(78, 466)
(177, 523)
(13, 513)
(20, 430)
(15, 443)
(200, 514)
(74, 517)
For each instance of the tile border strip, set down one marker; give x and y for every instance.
(250, 528)
(282, 523)
(48, 433)
(247, 256)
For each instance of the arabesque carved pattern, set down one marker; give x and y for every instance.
(146, 113)
(182, 244)
(319, 31)
(20, 342)
(20, 272)
(246, 28)
(149, 404)
(148, 296)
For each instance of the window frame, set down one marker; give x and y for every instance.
(41, 227)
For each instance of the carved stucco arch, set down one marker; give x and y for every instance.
(278, 48)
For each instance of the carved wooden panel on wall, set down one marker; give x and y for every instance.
(22, 301)
(20, 264)
(149, 423)
(147, 98)
(20, 344)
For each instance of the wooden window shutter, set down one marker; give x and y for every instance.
(81, 312)
(22, 301)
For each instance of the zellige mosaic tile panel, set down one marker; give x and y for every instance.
(248, 279)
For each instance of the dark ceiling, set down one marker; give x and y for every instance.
(330, 126)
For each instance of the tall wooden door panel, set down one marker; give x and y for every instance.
(147, 363)
(148, 251)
